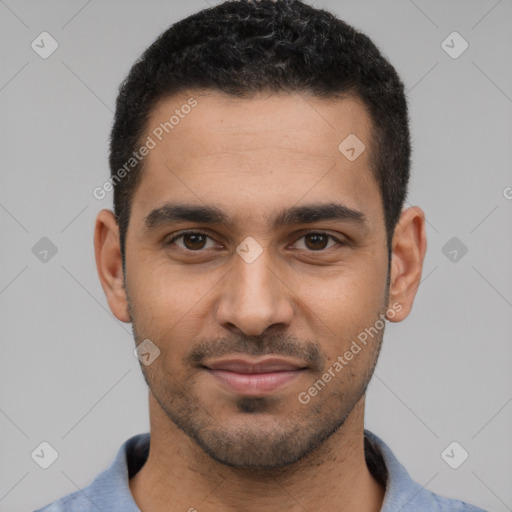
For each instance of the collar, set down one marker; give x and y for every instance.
(111, 487)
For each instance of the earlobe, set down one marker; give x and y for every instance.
(109, 264)
(408, 252)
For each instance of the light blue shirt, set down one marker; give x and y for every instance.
(110, 491)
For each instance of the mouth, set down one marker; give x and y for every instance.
(250, 377)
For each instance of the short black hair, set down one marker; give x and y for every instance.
(247, 47)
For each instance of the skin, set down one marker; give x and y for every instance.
(306, 298)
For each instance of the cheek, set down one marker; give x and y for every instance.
(344, 305)
(166, 292)
(170, 308)
(351, 294)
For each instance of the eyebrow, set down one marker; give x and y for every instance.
(176, 212)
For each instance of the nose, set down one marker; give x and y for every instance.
(254, 296)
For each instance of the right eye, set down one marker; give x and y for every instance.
(193, 241)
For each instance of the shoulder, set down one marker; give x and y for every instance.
(75, 502)
(110, 489)
(428, 501)
(402, 493)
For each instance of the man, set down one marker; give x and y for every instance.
(259, 160)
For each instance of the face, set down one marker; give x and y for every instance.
(258, 289)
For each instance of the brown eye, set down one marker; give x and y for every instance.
(318, 241)
(192, 240)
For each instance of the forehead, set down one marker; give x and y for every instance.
(245, 154)
(305, 125)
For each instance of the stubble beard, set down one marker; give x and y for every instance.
(273, 443)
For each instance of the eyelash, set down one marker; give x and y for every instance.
(199, 232)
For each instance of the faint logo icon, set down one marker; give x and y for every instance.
(146, 352)
(454, 250)
(454, 45)
(44, 250)
(249, 250)
(44, 455)
(454, 455)
(44, 45)
(352, 147)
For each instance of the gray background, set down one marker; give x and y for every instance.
(67, 372)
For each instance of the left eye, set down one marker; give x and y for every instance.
(195, 241)
(318, 240)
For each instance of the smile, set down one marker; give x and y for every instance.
(254, 378)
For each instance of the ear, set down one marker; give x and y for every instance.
(109, 264)
(408, 252)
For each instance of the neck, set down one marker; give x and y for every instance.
(179, 474)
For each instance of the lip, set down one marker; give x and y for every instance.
(250, 377)
(261, 365)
